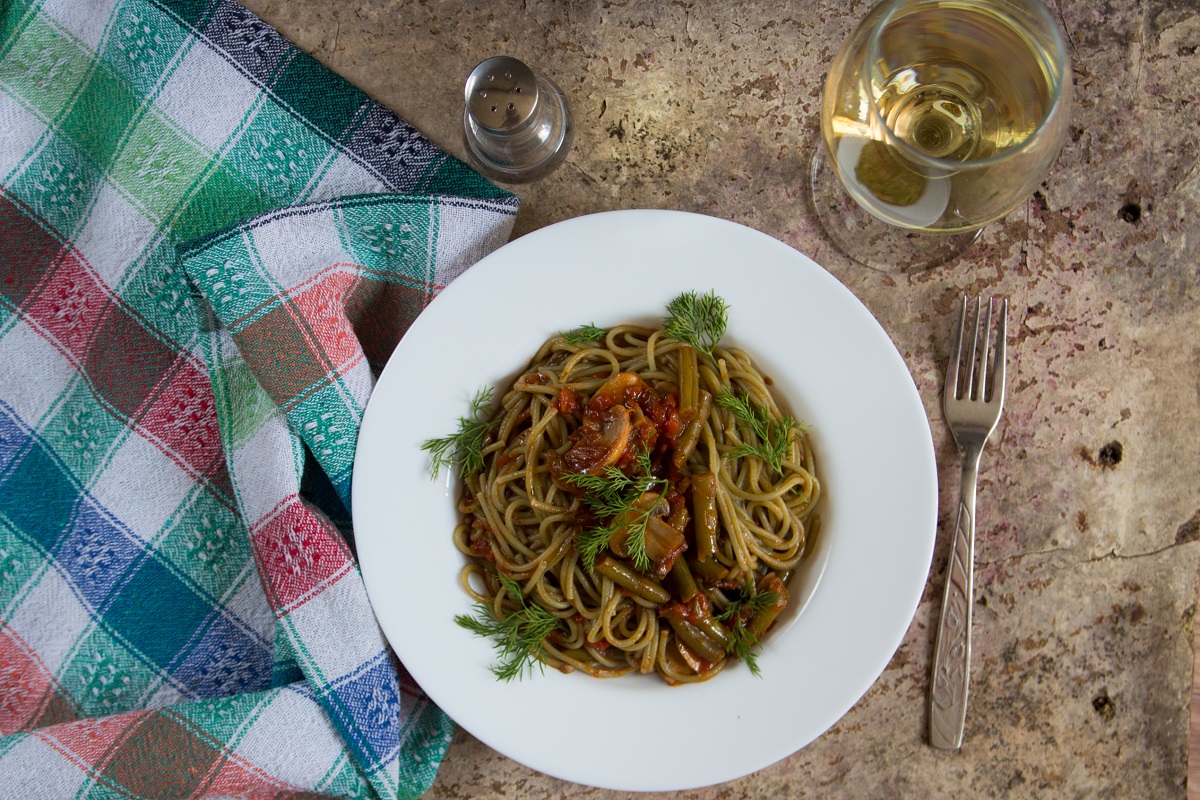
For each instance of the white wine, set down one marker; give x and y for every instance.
(942, 115)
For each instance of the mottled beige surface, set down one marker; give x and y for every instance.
(1090, 497)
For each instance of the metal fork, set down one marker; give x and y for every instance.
(972, 403)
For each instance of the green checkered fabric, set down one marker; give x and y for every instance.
(209, 246)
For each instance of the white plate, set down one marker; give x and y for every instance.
(838, 371)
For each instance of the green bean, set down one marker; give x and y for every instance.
(696, 639)
(763, 619)
(709, 571)
(713, 628)
(689, 378)
(690, 437)
(686, 444)
(679, 518)
(704, 513)
(622, 575)
(682, 580)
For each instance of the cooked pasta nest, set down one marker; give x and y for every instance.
(723, 529)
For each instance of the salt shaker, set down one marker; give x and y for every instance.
(516, 124)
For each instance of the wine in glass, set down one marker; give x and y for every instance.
(939, 116)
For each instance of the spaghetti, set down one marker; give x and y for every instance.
(652, 499)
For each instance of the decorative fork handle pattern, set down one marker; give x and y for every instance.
(952, 658)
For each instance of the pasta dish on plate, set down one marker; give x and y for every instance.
(637, 503)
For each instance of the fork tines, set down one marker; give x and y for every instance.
(968, 377)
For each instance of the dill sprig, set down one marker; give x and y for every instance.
(465, 446)
(774, 437)
(604, 492)
(611, 494)
(698, 320)
(584, 334)
(635, 543)
(517, 637)
(741, 642)
(590, 542)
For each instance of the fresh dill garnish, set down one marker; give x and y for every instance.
(605, 491)
(698, 320)
(518, 637)
(741, 642)
(590, 542)
(774, 437)
(613, 494)
(584, 334)
(635, 544)
(465, 446)
(754, 603)
(741, 645)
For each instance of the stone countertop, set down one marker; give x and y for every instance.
(1089, 495)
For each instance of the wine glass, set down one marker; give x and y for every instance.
(939, 116)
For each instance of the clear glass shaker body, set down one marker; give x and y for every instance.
(517, 126)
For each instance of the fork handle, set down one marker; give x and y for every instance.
(952, 657)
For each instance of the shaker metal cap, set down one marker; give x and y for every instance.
(501, 93)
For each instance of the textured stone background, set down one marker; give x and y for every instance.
(1090, 494)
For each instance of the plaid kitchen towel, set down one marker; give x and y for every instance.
(209, 245)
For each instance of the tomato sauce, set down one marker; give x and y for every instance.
(654, 423)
